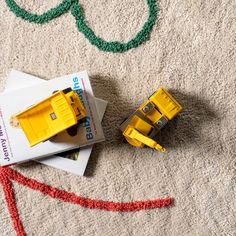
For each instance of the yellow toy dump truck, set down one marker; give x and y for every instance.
(143, 125)
(59, 112)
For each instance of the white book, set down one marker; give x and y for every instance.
(14, 146)
(74, 161)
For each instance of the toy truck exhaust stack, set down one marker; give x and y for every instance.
(144, 124)
(62, 110)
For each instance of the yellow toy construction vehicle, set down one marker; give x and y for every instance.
(42, 121)
(143, 125)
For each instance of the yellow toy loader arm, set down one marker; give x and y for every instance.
(132, 133)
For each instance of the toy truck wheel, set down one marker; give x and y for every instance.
(72, 131)
(124, 140)
(82, 120)
(67, 90)
(50, 139)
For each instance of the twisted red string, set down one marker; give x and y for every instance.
(7, 174)
(11, 205)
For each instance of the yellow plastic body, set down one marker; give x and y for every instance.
(151, 115)
(164, 105)
(52, 115)
(136, 124)
(137, 139)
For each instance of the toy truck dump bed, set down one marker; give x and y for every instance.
(165, 103)
(52, 115)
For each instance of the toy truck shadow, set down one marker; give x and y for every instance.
(71, 131)
(188, 128)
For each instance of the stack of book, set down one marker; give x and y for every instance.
(69, 153)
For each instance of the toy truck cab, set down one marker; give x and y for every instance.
(140, 128)
(60, 111)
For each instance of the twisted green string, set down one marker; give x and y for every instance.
(73, 5)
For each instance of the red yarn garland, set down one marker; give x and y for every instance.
(11, 205)
(7, 174)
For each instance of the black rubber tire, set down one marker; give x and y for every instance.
(72, 131)
(67, 90)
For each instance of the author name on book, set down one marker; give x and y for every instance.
(4, 145)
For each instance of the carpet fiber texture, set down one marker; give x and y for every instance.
(191, 52)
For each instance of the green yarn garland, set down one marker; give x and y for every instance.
(76, 11)
(40, 19)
